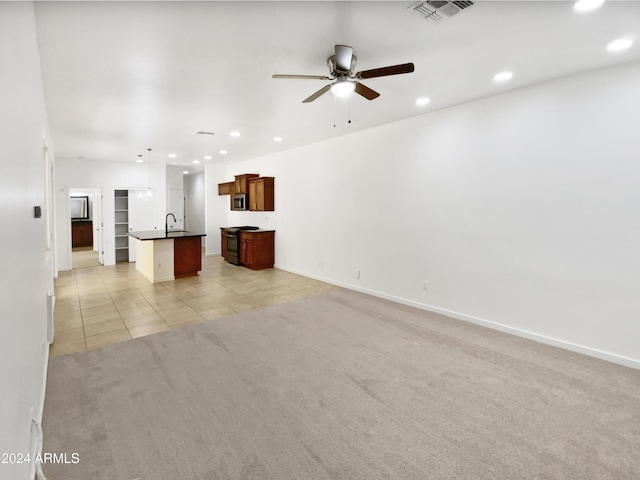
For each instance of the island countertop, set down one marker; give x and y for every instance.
(161, 235)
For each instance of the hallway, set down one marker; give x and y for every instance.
(83, 257)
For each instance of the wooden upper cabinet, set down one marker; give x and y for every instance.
(227, 188)
(253, 194)
(242, 182)
(261, 198)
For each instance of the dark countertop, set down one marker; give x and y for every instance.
(258, 230)
(160, 234)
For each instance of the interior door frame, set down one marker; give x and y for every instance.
(96, 217)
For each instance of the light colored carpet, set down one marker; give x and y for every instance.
(340, 386)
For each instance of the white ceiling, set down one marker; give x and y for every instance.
(122, 77)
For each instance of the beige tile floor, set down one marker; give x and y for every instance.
(99, 306)
(84, 257)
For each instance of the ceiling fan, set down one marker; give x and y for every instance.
(341, 69)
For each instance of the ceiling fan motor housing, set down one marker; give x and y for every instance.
(336, 72)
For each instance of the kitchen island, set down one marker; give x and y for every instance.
(163, 256)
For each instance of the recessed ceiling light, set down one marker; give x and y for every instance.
(196, 161)
(587, 5)
(277, 139)
(423, 101)
(620, 45)
(172, 155)
(139, 160)
(503, 76)
(235, 134)
(223, 152)
(207, 157)
(185, 172)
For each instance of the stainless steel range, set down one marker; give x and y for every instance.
(232, 236)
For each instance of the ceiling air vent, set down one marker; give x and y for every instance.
(439, 10)
(200, 132)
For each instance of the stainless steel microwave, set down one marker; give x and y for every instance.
(240, 201)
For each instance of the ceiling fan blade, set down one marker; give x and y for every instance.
(366, 92)
(305, 77)
(322, 91)
(343, 57)
(384, 71)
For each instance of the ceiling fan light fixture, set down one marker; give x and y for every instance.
(342, 88)
(341, 69)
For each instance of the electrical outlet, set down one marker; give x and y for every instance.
(357, 273)
(425, 285)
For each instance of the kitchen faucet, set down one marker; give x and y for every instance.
(166, 223)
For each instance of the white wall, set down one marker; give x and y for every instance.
(175, 195)
(520, 210)
(109, 176)
(195, 200)
(216, 206)
(27, 264)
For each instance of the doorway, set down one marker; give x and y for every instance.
(85, 222)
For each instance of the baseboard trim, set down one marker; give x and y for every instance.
(37, 412)
(44, 382)
(589, 351)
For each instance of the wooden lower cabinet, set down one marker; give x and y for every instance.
(257, 249)
(81, 234)
(187, 256)
(223, 242)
